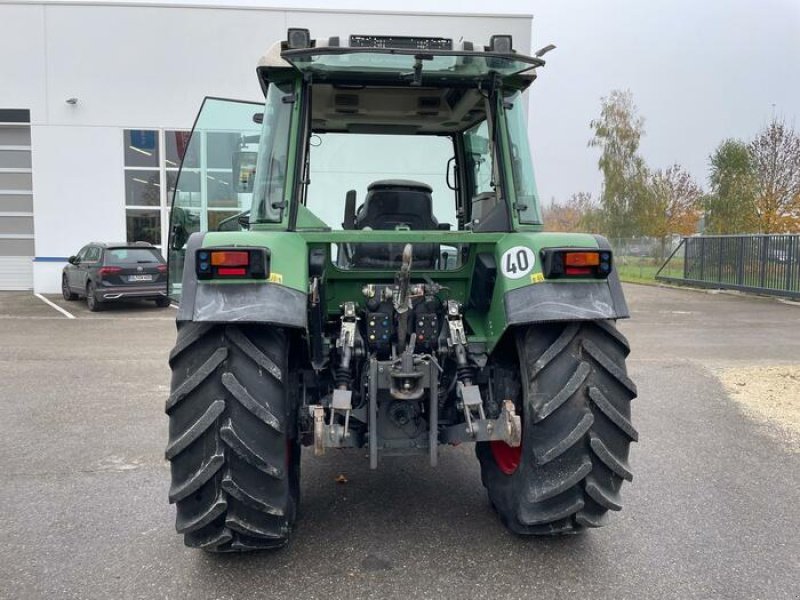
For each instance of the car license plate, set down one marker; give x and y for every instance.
(140, 278)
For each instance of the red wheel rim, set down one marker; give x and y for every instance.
(507, 457)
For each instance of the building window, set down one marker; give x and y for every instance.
(16, 200)
(152, 160)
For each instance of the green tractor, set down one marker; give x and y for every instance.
(360, 263)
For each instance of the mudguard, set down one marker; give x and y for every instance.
(547, 302)
(567, 301)
(237, 302)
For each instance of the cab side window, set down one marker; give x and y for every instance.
(82, 254)
(479, 159)
(487, 209)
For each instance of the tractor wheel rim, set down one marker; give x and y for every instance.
(507, 458)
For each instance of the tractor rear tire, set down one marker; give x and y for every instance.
(233, 448)
(575, 397)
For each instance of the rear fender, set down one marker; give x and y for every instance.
(537, 300)
(252, 302)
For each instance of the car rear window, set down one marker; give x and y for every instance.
(122, 256)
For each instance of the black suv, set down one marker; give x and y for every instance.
(107, 272)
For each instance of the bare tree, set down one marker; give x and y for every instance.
(775, 156)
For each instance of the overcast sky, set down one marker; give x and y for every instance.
(700, 71)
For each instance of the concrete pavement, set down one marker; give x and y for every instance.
(712, 512)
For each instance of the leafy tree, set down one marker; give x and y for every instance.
(579, 213)
(617, 133)
(672, 205)
(775, 159)
(730, 205)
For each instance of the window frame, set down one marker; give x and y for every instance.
(164, 196)
(89, 252)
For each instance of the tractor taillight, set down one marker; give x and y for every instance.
(241, 263)
(230, 258)
(576, 262)
(581, 259)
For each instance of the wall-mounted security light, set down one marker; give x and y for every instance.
(72, 101)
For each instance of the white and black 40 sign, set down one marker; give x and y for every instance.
(517, 262)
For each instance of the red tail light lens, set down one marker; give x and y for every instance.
(108, 271)
(232, 271)
(162, 268)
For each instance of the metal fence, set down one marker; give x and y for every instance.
(763, 264)
(638, 259)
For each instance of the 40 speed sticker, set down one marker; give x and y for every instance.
(517, 262)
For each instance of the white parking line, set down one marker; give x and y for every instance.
(56, 306)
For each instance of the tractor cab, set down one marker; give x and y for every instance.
(391, 134)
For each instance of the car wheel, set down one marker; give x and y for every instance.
(163, 302)
(65, 291)
(92, 302)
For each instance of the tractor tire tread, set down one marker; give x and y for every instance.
(232, 482)
(577, 397)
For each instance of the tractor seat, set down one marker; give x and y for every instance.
(395, 204)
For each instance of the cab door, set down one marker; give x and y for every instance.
(213, 190)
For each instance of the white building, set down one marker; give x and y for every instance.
(95, 100)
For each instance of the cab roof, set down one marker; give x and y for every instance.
(400, 60)
(422, 86)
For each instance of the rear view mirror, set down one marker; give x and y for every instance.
(179, 233)
(244, 169)
(73, 260)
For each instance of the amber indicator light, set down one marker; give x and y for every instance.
(581, 259)
(229, 258)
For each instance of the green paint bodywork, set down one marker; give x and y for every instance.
(289, 251)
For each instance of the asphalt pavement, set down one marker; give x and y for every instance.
(713, 510)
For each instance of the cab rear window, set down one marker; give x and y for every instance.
(125, 256)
